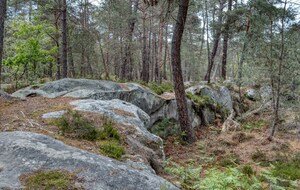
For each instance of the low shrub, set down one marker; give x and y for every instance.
(72, 124)
(112, 149)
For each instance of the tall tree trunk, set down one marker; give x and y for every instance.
(64, 53)
(279, 75)
(2, 20)
(127, 67)
(225, 42)
(165, 53)
(160, 50)
(71, 61)
(207, 37)
(56, 24)
(145, 58)
(215, 43)
(183, 116)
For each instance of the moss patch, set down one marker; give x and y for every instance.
(158, 88)
(48, 180)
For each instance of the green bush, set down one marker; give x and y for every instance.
(112, 149)
(109, 132)
(48, 180)
(72, 124)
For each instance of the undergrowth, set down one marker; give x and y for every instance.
(165, 128)
(244, 177)
(159, 88)
(74, 125)
(48, 180)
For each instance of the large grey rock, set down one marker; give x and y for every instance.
(121, 112)
(24, 152)
(221, 95)
(97, 89)
(169, 111)
(134, 124)
(154, 105)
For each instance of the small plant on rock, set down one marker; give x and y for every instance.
(48, 180)
(112, 149)
(74, 125)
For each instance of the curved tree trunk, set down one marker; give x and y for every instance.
(184, 120)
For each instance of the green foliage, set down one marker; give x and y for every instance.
(48, 180)
(248, 170)
(109, 132)
(165, 128)
(189, 176)
(200, 101)
(230, 178)
(159, 88)
(276, 182)
(72, 124)
(30, 49)
(229, 160)
(112, 149)
(289, 170)
(110, 144)
(251, 125)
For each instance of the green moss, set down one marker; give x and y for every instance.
(48, 180)
(200, 101)
(112, 149)
(159, 88)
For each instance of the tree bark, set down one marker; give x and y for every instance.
(56, 24)
(279, 75)
(215, 43)
(64, 53)
(184, 120)
(2, 20)
(225, 42)
(145, 58)
(127, 67)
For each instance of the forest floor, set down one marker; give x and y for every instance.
(247, 147)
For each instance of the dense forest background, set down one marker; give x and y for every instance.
(131, 40)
